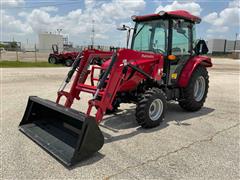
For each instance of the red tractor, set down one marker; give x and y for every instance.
(65, 58)
(164, 63)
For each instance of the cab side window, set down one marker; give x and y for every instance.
(160, 37)
(142, 40)
(181, 38)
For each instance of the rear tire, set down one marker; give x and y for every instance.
(151, 108)
(194, 95)
(52, 60)
(68, 62)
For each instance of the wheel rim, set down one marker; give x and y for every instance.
(155, 109)
(199, 88)
(68, 63)
(52, 60)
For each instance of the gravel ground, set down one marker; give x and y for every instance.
(205, 145)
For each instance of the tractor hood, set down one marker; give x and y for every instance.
(133, 57)
(149, 63)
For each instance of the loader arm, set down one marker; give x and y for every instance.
(81, 75)
(114, 76)
(108, 85)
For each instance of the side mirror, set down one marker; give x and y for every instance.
(123, 28)
(128, 29)
(181, 31)
(201, 47)
(179, 26)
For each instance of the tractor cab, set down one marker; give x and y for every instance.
(172, 34)
(167, 33)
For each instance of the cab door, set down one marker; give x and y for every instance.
(182, 43)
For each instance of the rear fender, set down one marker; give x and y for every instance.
(191, 66)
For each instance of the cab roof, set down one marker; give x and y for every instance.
(180, 14)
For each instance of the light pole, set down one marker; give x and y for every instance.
(93, 32)
(235, 43)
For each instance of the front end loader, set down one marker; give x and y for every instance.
(162, 65)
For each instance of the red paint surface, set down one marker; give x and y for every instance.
(117, 82)
(179, 14)
(191, 66)
(65, 55)
(150, 63)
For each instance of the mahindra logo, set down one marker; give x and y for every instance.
(147, 56)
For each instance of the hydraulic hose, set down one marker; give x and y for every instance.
(71, 72)
(105, 75)
(74, 67)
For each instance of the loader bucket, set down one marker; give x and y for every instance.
(65, 133)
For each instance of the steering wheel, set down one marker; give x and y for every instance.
(159, 51)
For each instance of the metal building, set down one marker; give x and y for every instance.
(46, 40)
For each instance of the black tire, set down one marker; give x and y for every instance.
(189, 101)
(68, 62)
(145, 103)
(52, 60)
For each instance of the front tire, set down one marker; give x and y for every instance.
(151, 108)
(52, 60)
(194, 95)
(68, 62)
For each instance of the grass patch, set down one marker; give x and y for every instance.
(17, 64)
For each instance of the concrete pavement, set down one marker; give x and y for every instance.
(200, 145)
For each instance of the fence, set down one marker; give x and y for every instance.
(223, 46)
(23, 56)
(37, 55)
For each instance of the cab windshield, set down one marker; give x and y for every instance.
(151, 36)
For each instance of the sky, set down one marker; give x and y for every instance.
(22, 20)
